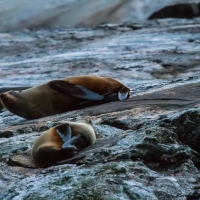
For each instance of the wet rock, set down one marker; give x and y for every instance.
(113, 180)
(186, 126)
(147, 146)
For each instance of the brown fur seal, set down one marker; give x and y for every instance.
(59, 96)
(62, 142)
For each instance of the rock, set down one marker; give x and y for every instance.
(188, 10)
(147, 146)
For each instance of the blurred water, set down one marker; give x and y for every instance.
(20, 14)
(17, 14)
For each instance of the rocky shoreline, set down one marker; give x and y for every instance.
(147, 146)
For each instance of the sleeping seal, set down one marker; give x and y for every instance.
(62, 142)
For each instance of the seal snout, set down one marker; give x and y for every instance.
(3, 96)
(7, 94)
(3, 99)
(9, 98)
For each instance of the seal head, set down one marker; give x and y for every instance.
(13, 101)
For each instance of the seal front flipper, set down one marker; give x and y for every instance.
(73, 90)
(64, 131)
(76, 143)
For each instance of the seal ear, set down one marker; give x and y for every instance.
(64, 131)
(73, 90)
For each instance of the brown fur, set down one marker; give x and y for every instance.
(47, 149)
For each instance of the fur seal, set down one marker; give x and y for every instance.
(62, 142)
(59, 96)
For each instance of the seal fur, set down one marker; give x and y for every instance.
(62, 142)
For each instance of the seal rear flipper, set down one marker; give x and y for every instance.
(64, 131)
(76, 143)
(73, 90)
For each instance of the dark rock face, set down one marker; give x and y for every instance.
(187, 128)
(147, 146)
(187, 10)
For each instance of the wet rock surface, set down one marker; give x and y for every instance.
(147, 146)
